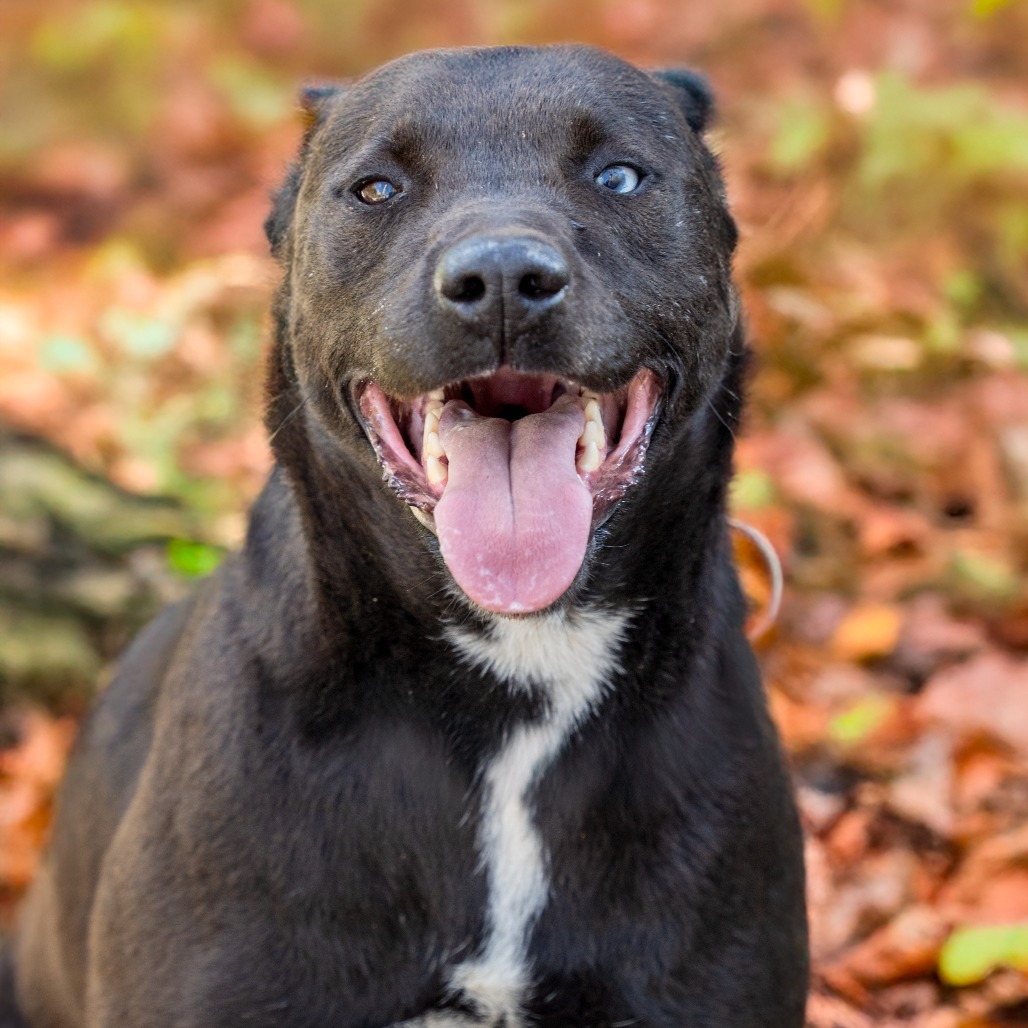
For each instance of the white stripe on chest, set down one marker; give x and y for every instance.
(570, 658)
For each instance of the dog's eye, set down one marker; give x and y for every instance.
(618, 178)
(376, 191)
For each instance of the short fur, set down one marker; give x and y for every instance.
(279, 812)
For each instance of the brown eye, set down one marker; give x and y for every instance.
(377, 191)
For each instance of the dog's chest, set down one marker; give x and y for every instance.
(568, 659)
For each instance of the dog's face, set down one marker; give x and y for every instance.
(509, 267)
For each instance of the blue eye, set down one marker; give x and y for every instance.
(377, 191)
(618, 178)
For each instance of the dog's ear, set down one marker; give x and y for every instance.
(693, 93)
(315, 102)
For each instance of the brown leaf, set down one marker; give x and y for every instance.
(931, 636)
(29, 773)
(986, 695)
(867, 632)
(925, 793)
(907, 947)
(824, 1011)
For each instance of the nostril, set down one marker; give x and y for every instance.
(464, 289)
(490, 278)
(535, 286)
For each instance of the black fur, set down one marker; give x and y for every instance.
(270, 818)
(694, 94)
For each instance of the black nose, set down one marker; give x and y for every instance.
(499, 282)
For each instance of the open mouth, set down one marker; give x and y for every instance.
(512, 472)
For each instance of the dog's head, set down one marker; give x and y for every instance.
(507, 266)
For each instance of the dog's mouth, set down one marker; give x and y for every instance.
(512, 472)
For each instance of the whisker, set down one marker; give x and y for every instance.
(285, 420)
(717, 414)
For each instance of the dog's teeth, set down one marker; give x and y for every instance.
(593, 440)
(590, 458)
(430, 443)
(434, 403)
(433, 447)
(435, 469)
(593, 434)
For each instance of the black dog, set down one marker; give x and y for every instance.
(482, 744)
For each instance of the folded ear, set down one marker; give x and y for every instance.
(315, 103)
(693, 93)
(315, 100)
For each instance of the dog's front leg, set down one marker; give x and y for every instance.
(456, 1019)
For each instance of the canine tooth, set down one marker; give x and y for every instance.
(431, 428)
(592, 431)
(433, 447)
(593, 434)
(436, 394)
(590, 460)
(435, 469)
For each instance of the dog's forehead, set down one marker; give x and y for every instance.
(507, 93)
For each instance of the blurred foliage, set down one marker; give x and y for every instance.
(971, 953)
(80, 569)
(942, 167)
(876, 156)
(919, 158)
(860, 720)
(191, 559)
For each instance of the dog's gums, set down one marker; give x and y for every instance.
(512, 471)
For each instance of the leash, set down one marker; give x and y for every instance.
(774, 567)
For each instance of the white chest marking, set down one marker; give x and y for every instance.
(570, 658)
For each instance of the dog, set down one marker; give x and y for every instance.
(468, 733)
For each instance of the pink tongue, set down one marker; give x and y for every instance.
(513, 520)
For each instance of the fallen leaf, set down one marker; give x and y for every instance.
(906, 947)
(867, 632)
(972, 953)
(985, 695)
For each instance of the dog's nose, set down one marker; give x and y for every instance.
(489, 280)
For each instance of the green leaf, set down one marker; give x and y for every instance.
(67, 354)
(858, 721)
(971, 953)
(137, 334)
(828, 10)
(964, 288)
(982, 578)
(987, 8)
(255, 96)
(803, 133)
(192, 559)
(752, 490)
(1019, 337)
